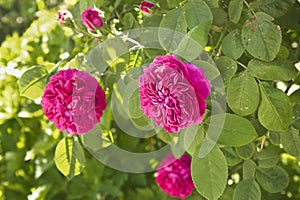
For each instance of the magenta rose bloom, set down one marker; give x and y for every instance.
(173, 93)
(146, 6)
(91, 18)
(174, 176)
(74, 101)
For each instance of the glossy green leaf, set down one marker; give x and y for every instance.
(267, 158)
(273, 179)
(209, 174)
(235, 10)
(236, 131)
(69, 157)
(232, 45)
(246, 152)
(275, 8)
(261, 38)
(33, 82)
(290, 141)
(247, 190)
(249, 169)
(243, 94)
(275, 110)
(227, 67)
(279, 69)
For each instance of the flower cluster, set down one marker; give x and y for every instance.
(174, 176)
(74, 101)
(173, 93)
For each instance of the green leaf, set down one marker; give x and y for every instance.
(212, 3)
(232, 45)
(113, 52)
(231, 156)
(246, 152)
(295, 97)
(275, 110)
(296, 116)
(279, 69)
(227, 67)
(235, 10)
(191, 44)
(243, 94)
(267, 158)
(211, 71)
(261, 38)
(69, 157)
(247, 190)
(168, 4)
(134, 105)
(191, 140)
(198, 13)
(274, 137)
(198, 18)
(171, 27)
(209, 174)
(33, 82)
(249, 169)
(236, 131)
(199, 34)
(273, 179)
(275, 8)
(290, 141)
(219, 17)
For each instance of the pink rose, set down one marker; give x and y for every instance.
(91, 18)
(174, 176)
(173, 93)
(146, 6)
(74, 101)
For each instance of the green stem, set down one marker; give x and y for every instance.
(241, 64)
(248, 6)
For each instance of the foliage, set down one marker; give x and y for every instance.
(255, 47)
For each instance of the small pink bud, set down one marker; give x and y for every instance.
(63, 15)
(146, 6)
(91, 18)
